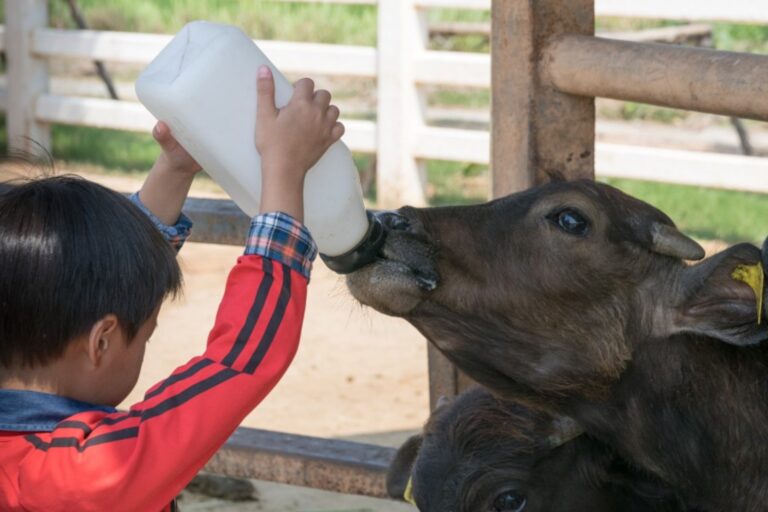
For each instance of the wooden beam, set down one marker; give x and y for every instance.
(332, 465)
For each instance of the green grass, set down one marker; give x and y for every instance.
(460, 98)
(457, 183)
(325, 23)
(631, 110)
(706, 213)
(110, 149)
(741, 37)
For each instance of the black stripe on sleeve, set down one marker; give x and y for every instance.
(253, 314)
(37, 442)
(173, 379)
(126, 433)
(121, 418)
(189, 393)
(117, 435)
(274, 324)
(73, 442)
(75, 424)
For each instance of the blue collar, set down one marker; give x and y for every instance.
(32, 411)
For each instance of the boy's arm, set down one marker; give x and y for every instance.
(170, 178)
(166, 188)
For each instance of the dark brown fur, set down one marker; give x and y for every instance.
(479, 448)
(642, 349)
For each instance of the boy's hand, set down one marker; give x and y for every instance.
(168, 183)
(291, 140)
(173, 157)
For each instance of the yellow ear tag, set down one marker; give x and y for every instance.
(754, 277)
(408, 494)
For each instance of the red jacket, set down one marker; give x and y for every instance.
(96, 459)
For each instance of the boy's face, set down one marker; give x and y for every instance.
(117, 375)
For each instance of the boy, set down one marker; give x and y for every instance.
(82, 276)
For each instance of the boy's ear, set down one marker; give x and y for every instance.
(100, 337)
(399, 472)
(722, 297)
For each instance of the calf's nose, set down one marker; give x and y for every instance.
(393, 221)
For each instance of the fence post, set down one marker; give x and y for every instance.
(402, 33)
(536, 130)
(27, 75)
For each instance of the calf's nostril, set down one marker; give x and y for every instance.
(427, 279)
(393, 221)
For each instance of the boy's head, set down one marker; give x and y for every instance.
(82, 272)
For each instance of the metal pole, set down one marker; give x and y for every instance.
(537, 131)
(717, 82)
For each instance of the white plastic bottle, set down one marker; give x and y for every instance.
(203, 85)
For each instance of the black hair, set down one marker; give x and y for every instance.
(71, 252)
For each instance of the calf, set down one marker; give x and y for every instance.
(578, 294)
(483, 454)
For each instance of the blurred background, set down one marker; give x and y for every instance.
(360, 375)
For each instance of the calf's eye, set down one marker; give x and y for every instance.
(510, 501)
(570, 221)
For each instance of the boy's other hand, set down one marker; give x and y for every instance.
(169, 180)
(291, 140)
(173, 156)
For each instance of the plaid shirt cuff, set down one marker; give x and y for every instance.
(282, 238)
(176, 234)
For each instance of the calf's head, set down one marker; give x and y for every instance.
(483, 454)
(553, 287)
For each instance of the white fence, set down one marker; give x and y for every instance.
(401, 63)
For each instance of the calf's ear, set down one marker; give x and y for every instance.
(399, 472)
(722, 297)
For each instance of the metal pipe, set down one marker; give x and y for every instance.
(717, 82)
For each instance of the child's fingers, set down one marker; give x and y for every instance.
(332, 113)
(337, 131)
(304, 88)
(322, 98)
(161, 132)
(266, 93)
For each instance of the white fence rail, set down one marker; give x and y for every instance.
(747, 11)
(401, 63)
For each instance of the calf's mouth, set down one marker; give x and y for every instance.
(405, 271)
